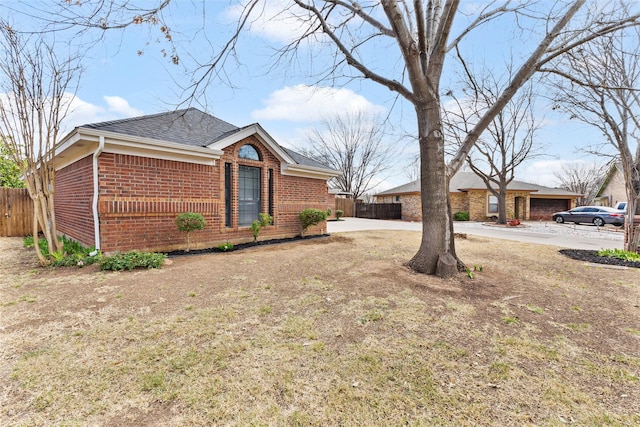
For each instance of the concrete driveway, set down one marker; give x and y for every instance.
(569, 236)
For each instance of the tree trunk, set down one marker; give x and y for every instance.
(36, 222)
(437, 235)
(631, 232)
(502, 205)
(632, 187)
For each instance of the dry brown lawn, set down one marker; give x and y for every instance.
(331, 331)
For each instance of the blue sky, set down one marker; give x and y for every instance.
(285, 100)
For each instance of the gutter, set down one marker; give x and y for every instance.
(96, 220)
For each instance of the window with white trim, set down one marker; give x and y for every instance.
(492, 205)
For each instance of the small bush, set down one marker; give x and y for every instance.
(257, 225)
(461, 216)
(188, 222)
(309, 217)
(131, 260)
(226, 247)
(339, 213)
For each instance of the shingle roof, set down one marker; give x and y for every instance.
(189, 126)
(464, 181)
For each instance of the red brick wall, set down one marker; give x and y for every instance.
(140, 198)
(74, 199)
(291, 195)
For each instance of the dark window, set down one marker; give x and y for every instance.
(248, 194)
(248, 152)
(271, 195)
(397, 198)
(227, 194)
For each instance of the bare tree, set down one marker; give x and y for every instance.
(353, 144)
(35, 99)
(507, 142)
(582, 178)
(599, 84)
(418, 38)
(412, 168)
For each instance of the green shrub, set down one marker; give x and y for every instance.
(309, 217)
(257, 225)
(461, 216)
(78, 260)
(131, 260)
(27, 241)
(620, 254)
(73, 254)
(339, 213)
(42, 243)
(226, 247)
(188, 222)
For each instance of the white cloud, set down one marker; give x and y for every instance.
(302, 103)
(276, 21)
(121, 107)
(82, 112)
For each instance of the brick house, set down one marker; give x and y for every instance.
(121, 184)
(469, 194)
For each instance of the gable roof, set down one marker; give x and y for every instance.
(614, 168)
(200, 134)
(465, 181)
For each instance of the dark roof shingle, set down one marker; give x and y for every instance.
(190, 127)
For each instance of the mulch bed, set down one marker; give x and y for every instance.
(593, 257)
(239, 246)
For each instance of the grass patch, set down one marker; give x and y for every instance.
(535, 309)
(336, 332)
(510, 320)
(633, 331)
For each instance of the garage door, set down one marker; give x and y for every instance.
(545, 208)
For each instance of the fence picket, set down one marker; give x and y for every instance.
(16, 212)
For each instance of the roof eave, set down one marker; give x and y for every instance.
(128, 140)
(74, 146)
(308, 171)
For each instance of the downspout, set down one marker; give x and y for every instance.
(96, 188)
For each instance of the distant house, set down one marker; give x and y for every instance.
(612, 190)
(469, 194)
(121, 184)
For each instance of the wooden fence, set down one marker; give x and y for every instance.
(379, 210)
(345, 205)
(369, 210)
(16, 212)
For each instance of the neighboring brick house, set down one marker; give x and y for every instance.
(468, 193)
(121, 184)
